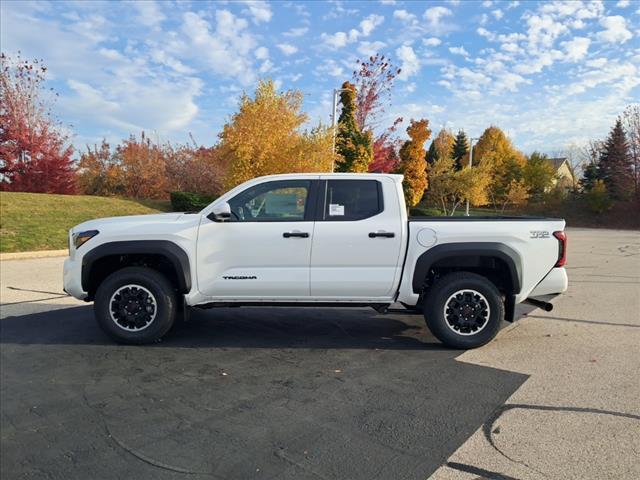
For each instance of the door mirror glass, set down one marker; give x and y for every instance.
(220, 213)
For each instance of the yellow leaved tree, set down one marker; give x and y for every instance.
(264, 137)
(412, 161)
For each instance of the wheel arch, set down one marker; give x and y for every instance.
(469, 255)
(163, 255)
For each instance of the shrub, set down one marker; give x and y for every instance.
(598, 198)
(189, 201)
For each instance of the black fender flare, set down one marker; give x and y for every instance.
(175, 254)
(469, 249)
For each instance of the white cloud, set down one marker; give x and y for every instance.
(296, 32)
(287, 48)
(497, 13)
(576, 49)
(435, 20)
(410, 64)
(405, 16)
(459, 51)
(370, 23)
(260, 10)
(261, 53)
(336, 40)
(431, 42)
(623, 4)
(544, 30)
(266, 66)
(615, 30)
(150, 13)
(370, 48)
(227, 51)
(341, 39)
(330, 67)
(388, 2)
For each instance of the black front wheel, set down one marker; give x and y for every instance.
(135, 305)
(464, 310)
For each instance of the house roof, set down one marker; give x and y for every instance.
(557, 162)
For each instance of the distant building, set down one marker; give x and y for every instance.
(563, 176)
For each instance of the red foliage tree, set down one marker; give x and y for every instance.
(374, 81)
(34, 154)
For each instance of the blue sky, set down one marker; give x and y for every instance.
(548, 73)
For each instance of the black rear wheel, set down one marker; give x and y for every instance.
(135, 305)
(464, 310)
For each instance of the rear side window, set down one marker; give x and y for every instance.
(348, 200)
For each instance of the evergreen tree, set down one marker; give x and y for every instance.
(353, 146)
(615, 164)
(590, 174)
(412, 163)
(460, 149)
(432, 155)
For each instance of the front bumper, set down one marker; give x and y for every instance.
(72, 278)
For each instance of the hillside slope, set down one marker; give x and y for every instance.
(39, 221)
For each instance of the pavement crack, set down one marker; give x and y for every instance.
(488, 426)
(135, 453)
(481, 472)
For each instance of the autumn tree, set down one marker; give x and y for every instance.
(99, 172)
(144, 172)
(450, 188)
(615, 164)
(34, 152)
(353, 146)
(374, 80)
(444, 143)
(496, 153)
(412, 163)
(264, 137)
(538, 173)
(460, 150)
(193, 168)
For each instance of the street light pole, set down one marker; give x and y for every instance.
(334, 121)
(470, 165)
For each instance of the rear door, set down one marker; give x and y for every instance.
(357, 239)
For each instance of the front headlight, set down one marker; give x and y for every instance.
(82, 237)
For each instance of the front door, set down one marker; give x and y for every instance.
(264, 250)
(357, 240)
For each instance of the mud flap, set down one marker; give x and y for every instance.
(510, 308)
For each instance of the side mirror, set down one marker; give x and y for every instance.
(220, 212)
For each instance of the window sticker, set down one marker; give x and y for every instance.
(336, 210)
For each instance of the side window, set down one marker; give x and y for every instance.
(348, 200)
(281, 201)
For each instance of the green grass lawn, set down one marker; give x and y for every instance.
(39, 221)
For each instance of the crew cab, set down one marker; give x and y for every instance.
(315, 240)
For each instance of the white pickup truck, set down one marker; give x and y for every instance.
(334, 240)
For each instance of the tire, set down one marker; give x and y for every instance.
(135, 305)
(455, 295)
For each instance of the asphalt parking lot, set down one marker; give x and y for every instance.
(327, 393)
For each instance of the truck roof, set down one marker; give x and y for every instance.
(283, 176)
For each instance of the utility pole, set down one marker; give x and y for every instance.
(471, 140)
(334, 122)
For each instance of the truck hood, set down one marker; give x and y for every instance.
(137, 221)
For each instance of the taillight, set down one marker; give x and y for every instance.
(562, 248)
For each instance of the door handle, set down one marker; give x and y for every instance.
(382, 234)
(295, 234)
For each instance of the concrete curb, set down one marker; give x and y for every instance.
(26, 255)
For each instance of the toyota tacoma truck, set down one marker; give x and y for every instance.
(314, 240)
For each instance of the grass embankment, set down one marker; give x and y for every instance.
(39, 221)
